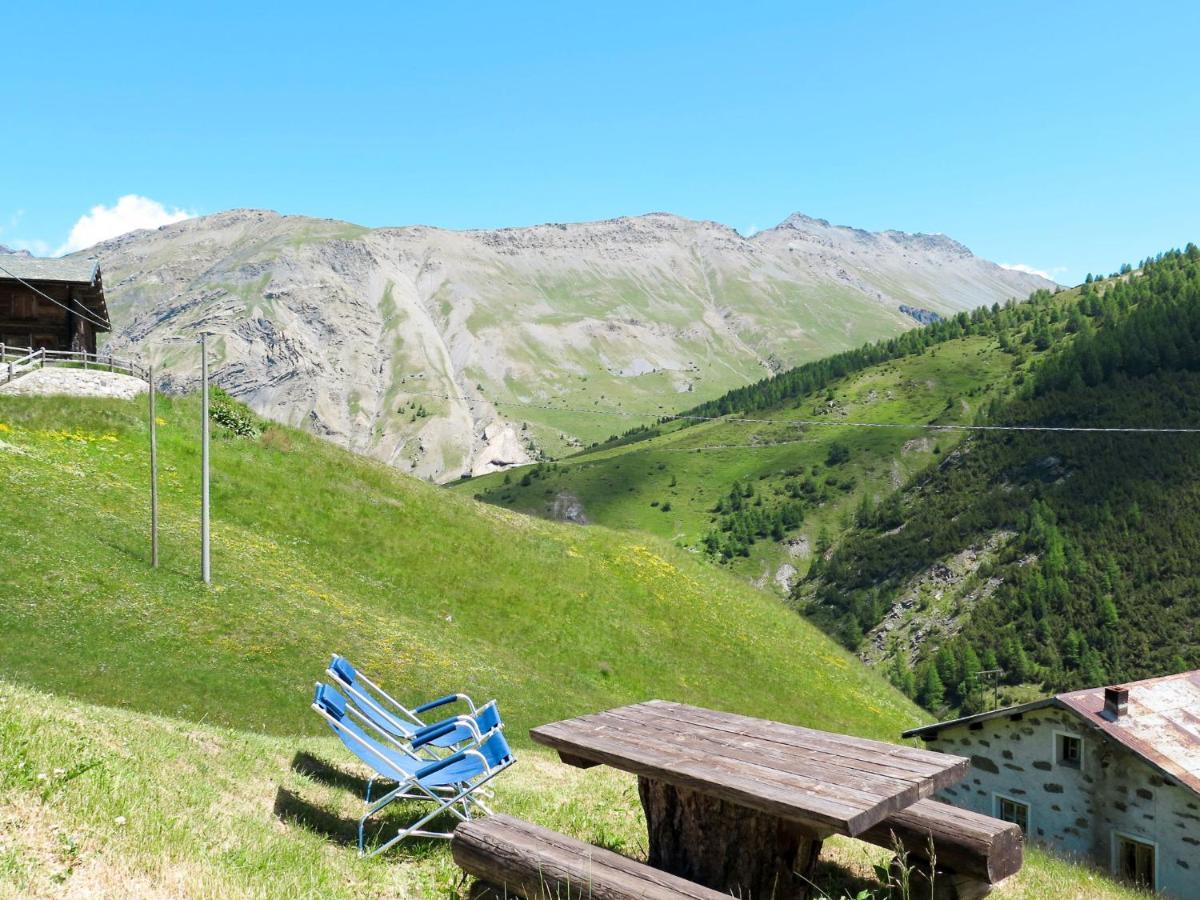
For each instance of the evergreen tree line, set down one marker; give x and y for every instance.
(1137, 327)
(795, 384)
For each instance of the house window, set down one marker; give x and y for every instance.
(1135, 862)
(1068, 750)
(1013, 811)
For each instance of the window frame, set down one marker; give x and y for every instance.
(1132, 837)
(1058, 735)
(998, 799)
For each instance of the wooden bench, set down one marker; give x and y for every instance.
(539, 864)
(972, 851)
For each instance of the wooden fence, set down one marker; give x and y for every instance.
(16, 361)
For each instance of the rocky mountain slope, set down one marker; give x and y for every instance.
(453, 352)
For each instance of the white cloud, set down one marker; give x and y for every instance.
(1030, 270)
(130, 213)
(750, 231)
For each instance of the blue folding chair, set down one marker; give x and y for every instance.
(450, 784)
(396, 721)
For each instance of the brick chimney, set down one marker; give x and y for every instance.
(1116, 701)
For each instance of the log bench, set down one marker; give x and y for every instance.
(972, 851)
(538, 864)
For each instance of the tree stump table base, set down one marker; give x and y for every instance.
(726, 847)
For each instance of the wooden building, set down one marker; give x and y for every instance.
(69, 321)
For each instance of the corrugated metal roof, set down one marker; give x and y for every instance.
(71, 269)
(1161, 725)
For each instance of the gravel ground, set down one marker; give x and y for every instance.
(76, 383)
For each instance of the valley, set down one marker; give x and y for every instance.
(942, 551)
(176, 752)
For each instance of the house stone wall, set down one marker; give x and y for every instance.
(1078, 810)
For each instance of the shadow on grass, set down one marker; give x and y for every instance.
(292, 808)
(319, 770)
(481, 890)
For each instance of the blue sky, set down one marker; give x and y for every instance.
(1060, 136)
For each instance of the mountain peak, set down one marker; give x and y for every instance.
(822, 228)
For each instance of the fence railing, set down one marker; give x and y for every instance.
(16, 361)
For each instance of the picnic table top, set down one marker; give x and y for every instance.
(829, 782)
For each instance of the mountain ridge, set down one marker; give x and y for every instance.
(438, 350)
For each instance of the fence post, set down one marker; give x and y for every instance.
(153, 477)
(205, 570)
(43, 365)
(2, 353)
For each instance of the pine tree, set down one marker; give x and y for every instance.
(933, 692)
(902, 676)
(1108, 612)
(970, 667)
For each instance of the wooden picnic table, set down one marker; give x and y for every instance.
(741, 804)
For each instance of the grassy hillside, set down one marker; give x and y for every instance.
(758, 497)
(102, 802)
(1065, 559)
(316, 550)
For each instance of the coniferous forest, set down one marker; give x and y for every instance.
(1101, 581)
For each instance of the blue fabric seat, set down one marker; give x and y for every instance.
(393, 718)
(450, 784)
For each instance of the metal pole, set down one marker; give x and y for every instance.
(205, 571)
(153, 478)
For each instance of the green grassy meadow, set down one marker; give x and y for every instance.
(690, 468)
(155, 736)
(316, 550)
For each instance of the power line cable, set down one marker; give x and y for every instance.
(817, 423)
(82, 312)
(766, 445)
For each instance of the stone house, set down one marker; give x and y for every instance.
(1111, 774)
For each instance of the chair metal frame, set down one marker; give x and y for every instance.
(456, 797)
(388, 721)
